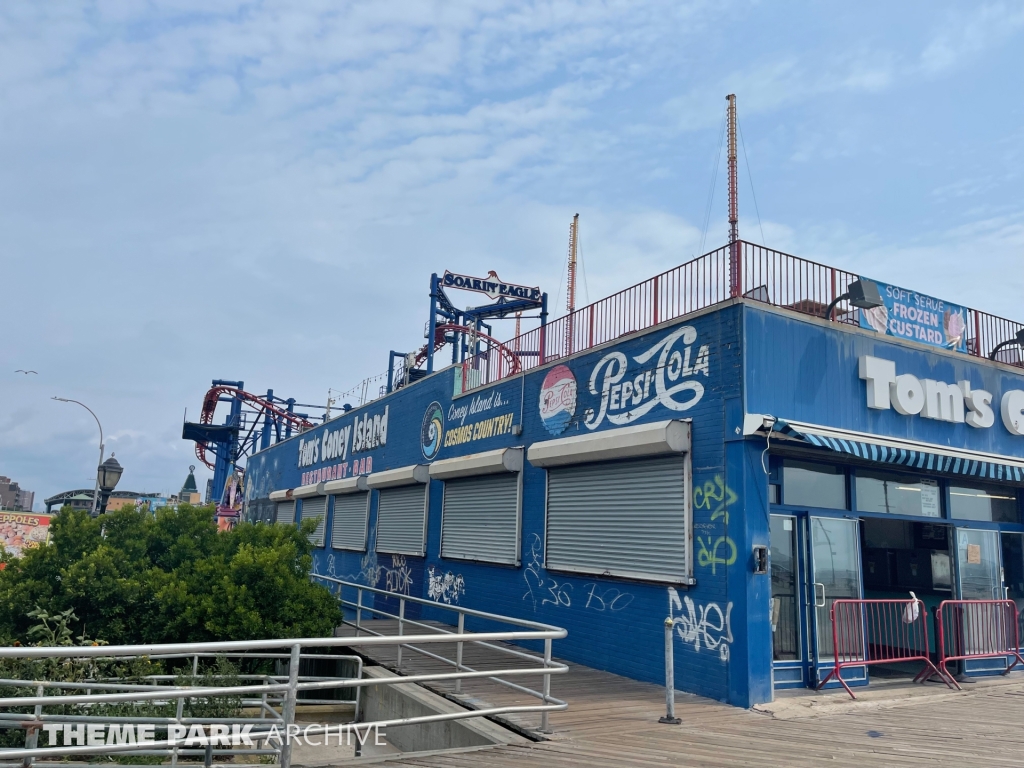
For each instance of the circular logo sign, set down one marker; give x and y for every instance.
(431, 430)
(557, 399)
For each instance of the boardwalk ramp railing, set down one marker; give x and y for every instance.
(162, 692)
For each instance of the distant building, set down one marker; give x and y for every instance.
(12, 496)
(189, 493)
(81, 498)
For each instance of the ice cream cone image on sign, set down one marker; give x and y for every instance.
(954, 326)
(877, 318)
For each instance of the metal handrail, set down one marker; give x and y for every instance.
(272, 691)
(463, 671)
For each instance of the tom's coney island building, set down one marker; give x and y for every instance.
(736, 444)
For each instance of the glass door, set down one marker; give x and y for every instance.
(1013, 572)
(788, 653)
(978, 564)
(835, 557)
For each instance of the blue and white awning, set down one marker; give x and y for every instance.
(924, 457)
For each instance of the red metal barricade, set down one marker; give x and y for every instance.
(866, 632)
(977, 629)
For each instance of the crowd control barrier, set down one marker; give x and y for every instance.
(866, 632)
(977, 629)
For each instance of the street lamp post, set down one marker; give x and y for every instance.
(107, 475)
(96, 491)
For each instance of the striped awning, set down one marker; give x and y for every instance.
(925, 458)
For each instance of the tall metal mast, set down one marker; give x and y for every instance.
(570, 285)
(735, 281)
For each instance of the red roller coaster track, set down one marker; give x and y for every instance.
(439, 341)
(210, 406)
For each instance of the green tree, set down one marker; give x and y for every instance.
(131, 577)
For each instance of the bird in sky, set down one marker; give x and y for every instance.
(20, 370)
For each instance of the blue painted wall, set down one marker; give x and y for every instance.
(802, 369)
(721, 643)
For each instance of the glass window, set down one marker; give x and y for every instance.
(897, 494)
(813, 485)
(977, 501)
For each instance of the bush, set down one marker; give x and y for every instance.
(132, 578)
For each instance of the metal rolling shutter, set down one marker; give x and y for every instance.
(316, 507)
(400, 519)
(286, 512)
(481, 518)
(349, 528)
(627, 518)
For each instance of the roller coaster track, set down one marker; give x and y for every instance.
(210, 406)
(514, 365)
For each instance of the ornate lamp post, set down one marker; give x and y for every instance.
(107, 475)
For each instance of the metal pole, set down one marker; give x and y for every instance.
(401, 619)
(96, 491)
(289, 705)
(544, 725)
(458, 652)
(359, 610)
(32, 737)
(670, 678)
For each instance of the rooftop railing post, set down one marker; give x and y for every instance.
(545, 726)
(656, 307)
(735, 266)
(458, 651)
(670, 677)
(401, 620)
(289, 704)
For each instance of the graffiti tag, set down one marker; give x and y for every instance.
(447, 586)
(707, 623)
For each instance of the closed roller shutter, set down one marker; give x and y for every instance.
(628, 518)
(400, 518)
(349, 528)
(481, 519)
(316, 507)
(286, 512)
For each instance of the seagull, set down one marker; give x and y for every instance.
(26, 372)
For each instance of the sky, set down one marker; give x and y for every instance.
(259, 191)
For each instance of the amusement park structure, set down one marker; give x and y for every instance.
(253, 422)
(466, 330)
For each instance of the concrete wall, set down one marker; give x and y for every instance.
(393, 702)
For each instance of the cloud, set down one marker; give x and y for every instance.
(260, 191)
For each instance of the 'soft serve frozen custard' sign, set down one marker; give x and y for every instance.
(912, 315)
(958, 402)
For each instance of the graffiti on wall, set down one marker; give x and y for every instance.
(397, 578)
(714, 548)
(447, 587)
(707, 624)
(542, 589)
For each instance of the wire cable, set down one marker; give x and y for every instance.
(711, 192)
(753, 194)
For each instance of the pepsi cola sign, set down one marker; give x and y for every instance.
(557, 399)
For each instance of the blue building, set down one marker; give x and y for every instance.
(660, 443)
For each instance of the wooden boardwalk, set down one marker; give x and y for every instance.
(612, 722)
